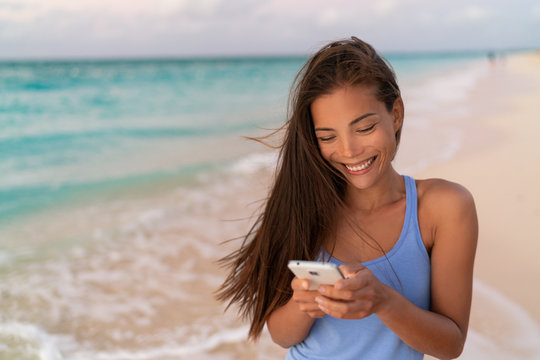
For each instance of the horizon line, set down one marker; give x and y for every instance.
(253, 56)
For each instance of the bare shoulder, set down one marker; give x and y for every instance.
(444, 207)
(441, 196)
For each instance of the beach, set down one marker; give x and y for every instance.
(504, 178)
(503, 175)
(112, 229)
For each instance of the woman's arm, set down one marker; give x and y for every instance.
(440, 332)
(290, 324)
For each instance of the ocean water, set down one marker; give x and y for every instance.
(69, 128)
(121, 178)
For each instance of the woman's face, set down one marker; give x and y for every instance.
(356, 133)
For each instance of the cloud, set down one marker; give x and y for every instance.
(31, 10)
(206, 27)
(536, 11)
(471, 14)
(476, 13)
(99, 20)
(328, 17)
(384, 7)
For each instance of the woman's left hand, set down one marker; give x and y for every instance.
(357, 296)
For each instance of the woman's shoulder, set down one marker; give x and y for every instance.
(444, 207)
(441, 198)
(436, 188)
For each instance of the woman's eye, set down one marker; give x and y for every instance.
(325, 138)
(367, 129)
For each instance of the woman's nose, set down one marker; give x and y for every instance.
(349, 148)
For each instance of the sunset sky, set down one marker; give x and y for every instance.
(133, 28)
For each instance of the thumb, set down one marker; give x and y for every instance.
(300, 284)
(350, 269)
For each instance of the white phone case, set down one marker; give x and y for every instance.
(318, 273)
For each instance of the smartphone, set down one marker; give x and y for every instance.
(318, 273)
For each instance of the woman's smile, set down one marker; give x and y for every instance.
(360, 167)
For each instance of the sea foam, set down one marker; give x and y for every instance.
(24, 340)
(500, 328)
(196, 348)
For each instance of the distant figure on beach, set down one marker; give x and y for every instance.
(406, 247)
(491, 57)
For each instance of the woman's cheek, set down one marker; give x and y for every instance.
(326, 152)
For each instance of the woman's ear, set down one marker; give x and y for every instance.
(398, 114)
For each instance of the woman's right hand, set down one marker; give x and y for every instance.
(305, 299)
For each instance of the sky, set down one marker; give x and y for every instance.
(187, 28)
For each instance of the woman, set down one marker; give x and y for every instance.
(406, 247)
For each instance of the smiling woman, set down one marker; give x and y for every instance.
(368, 141)
(405, 247)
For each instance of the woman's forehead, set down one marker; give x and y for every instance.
(345, 99)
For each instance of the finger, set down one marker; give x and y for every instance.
(349, 269)
(347, 289)
(332, 307)
(333, 293)
(311, 307)
(343, 309)
(299, 292)
(307, 307)
(299, 284)
(301, 296)
(316, 314)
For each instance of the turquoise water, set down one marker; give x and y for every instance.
(71, 126)
(68, 128)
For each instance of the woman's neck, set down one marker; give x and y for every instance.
(387, 190)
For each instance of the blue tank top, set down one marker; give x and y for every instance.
(369, 338)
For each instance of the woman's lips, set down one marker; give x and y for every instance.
(358, 167)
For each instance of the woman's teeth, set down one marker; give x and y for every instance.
(361, 166)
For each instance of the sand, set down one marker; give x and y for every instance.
(500, 164)
(504, 178)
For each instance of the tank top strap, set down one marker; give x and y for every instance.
(412, 196)
(412, 226)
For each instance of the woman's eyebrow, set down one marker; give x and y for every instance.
(360, 118)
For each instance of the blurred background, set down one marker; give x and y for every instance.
(164, 28)
(123, 164)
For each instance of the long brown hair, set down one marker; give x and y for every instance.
(299, 214)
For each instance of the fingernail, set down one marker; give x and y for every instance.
(322, 290)
(318, 300)
(305, 285)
